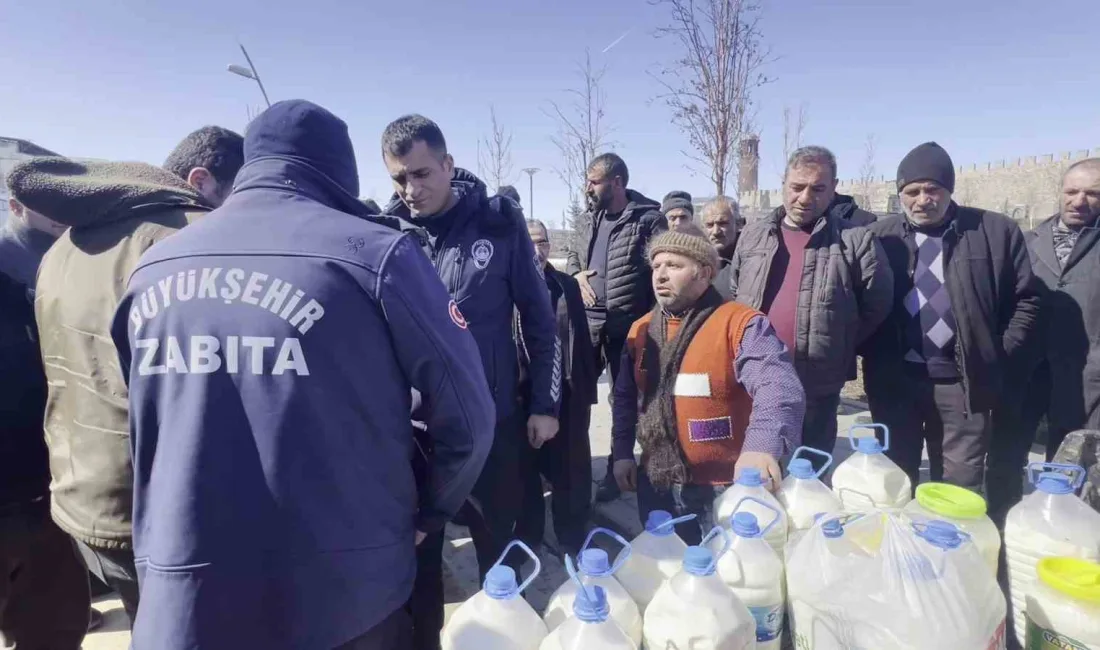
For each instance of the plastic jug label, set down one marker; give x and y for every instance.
(1040, 638)
(999, 640)
(769, 622)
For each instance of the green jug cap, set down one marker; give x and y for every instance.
(951, 501)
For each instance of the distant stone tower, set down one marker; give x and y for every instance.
(749, 165)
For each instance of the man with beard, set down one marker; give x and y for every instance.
(966, 304)
(613, 274)
(1064, 252)
(480, 247)
(721, 223)
(565, 461)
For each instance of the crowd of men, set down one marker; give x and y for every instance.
(249, 402)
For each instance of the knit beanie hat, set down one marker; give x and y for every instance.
(677, 200)
(928, 162)
(508, 191)
(689, 242)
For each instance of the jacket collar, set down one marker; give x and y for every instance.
(298, 177)
(1044, 246)
(826, 220)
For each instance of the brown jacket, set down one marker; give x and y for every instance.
(115, 211)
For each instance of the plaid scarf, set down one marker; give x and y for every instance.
(1064, 241)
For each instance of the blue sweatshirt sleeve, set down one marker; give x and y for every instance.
(624, 409)
(538, 325)
(440, 358)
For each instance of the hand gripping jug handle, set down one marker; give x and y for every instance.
(824, 454)
(717, 530)
(771, 524)
(885, 434)
(1076, 473)
(619, 561)
(531, 554)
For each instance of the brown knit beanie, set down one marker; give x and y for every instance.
(690, 242)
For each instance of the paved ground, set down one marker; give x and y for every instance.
(460, 565)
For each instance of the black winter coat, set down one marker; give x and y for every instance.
(995, 298)
(629, 277)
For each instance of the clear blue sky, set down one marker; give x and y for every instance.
(988, 79)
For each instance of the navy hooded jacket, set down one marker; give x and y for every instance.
(486, 260)
(272, 349)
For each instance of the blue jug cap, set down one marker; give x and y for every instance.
(832, 529)
(500, 583)
(869, 445)
(746, 525)
(751, 477)
(594, 562)
(591, 606)
(699, 561)
(940, 534)
(801, 468)
(1054, 483)
(656, 519)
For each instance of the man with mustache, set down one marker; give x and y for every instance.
(821, 280)
(722, 224)
(614, 274)
(965, 307)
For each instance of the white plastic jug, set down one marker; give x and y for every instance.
(755, 573)
(1050, 522)
(869, 480)
(590, 627)
(695, 609)
(655, 556)
(497, 618)
(803, 495)
(965, 509)
(595, 570)
(1063, 609)
(750, 483)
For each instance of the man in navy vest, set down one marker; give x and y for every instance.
(272, 351)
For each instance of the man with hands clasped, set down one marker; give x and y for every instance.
(707, 389)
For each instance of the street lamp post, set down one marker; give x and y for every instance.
(531, 171)
(249, 73)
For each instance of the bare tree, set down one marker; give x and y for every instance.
(710, 87)
(794, 127)
(581, 133)
(867, 173)
(495, 154)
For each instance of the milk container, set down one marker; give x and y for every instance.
(1050, 522)
(750, 483)
(964, 509)
(595, 570)
(754, 572)
(803, 495)
(655, 555)
(590, 627)
(1063, 608)
(497, 618)
(869, 480)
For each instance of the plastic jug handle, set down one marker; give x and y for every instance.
(615, 536)
(885, 434)
(824, 454)
(767, 505)
(717, 530)
(574, 575)
(531, 554)
(668, 525)
(1076, 472)
(921, 530)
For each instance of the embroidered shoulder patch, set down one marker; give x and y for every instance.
(710, 429)
(456, 315)
(482, 253)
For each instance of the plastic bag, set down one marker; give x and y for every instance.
(884, 583)
(1083, 448)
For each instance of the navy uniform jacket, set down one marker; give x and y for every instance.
(485, 257)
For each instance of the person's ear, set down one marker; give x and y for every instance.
(835, 183)
(449, 165)
(16, 207)
(199, 178)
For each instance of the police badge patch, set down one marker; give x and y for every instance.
(482, 252)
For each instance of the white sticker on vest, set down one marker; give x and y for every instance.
(692, 385)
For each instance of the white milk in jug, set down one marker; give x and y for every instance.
(803, 495)
(497, 617)
(655, 556)
(1050, 522)
(963, 508)
(595, 570)
(869, 480)
(590, 626)
(1063, 608)
(754, 572)
(750, 483)
(695, 609)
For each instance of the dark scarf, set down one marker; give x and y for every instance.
(664, 460)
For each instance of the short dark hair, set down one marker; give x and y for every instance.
(401, 134)
(612, 166)
(216, 149)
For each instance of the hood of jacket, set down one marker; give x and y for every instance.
(635, 202)
(473, 198)
(80, 194)
(298, 146)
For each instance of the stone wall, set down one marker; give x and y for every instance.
(1025, 188)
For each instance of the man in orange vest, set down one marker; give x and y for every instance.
(712, 390)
